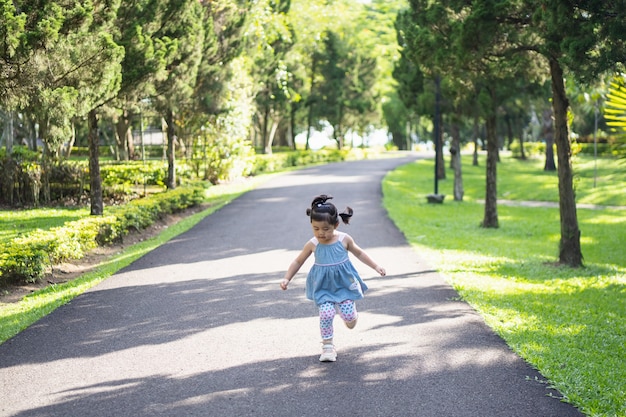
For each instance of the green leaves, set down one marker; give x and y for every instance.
(615, 105)
(11, 28)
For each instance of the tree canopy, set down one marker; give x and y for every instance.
(241, 75)
(495, 44)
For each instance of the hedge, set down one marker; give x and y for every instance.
(537, 149)
(264, 163)
(25, 258)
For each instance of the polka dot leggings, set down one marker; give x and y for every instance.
(347, 312)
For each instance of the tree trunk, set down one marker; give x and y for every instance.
(267, 147)
(45, 160)
(407, 141)
(8, 132)
(272, 136)
(171, 150)
(292, 128)
(521, 132)
(339, 129)
(521, 146)
(32, 129)
(95, 181)
(455, 158)
(121, 131)
(569, 249)
(475, 154)
(491, 209)
(70, 144)
(509, 131)
(548, 135)
(130, 142)
(309, 118)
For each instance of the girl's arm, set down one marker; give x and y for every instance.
(362, 256)
(294, 267)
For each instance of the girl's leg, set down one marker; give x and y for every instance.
(327, 315)
(348, 313)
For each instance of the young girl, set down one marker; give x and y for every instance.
(333, 282)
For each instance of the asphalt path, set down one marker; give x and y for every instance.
(199, 327)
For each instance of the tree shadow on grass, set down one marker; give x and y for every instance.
(538, 270)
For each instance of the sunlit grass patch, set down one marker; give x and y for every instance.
(16, 222)
(526, 180)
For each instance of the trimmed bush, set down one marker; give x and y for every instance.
(25, 258)
(264, 163)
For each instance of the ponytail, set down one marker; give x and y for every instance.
(322, 210)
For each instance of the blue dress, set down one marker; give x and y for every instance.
(333, 278)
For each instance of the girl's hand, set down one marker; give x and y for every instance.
(381, 271)
(284, 284)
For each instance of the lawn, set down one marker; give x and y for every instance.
(16, 222)
(568, 323)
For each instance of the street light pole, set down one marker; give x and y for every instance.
(436, 197)
(436, 129)
(595, 145)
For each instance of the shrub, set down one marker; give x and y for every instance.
(264, 163)
(21, 263)
(25, 258)
(531, 149)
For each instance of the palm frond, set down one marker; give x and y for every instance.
(615, 105)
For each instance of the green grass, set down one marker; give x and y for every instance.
(568, 323)
(17, 222)
(526, 180)
(15, 317)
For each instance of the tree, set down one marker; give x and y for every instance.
(398, 120)
(311, 19)
(73, 68)
(362, 96)
(148, 50)
(98, 83)
(183, 36)
(427, 34)
(582, 37)
(410, 81)
(272, 40)
(331, 90)
(345, 93)
(424, 35)
(223, 22)
(102, 87)
(547, 133)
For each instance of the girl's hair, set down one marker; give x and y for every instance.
(323, 211)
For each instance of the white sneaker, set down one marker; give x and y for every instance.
(328, 353)
(351, 324)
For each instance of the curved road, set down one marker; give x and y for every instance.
(199, 327)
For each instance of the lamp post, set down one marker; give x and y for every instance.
(436, 197)
(595, 144)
